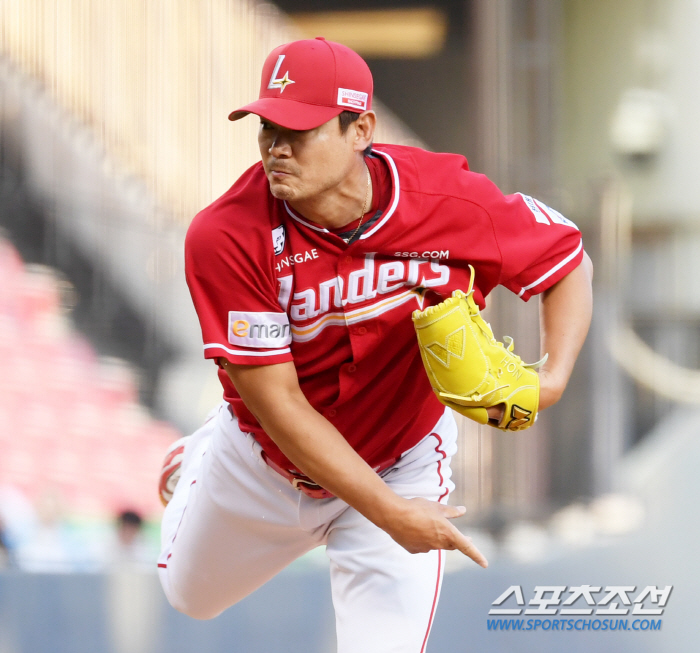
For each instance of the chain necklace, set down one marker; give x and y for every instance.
(364, 209)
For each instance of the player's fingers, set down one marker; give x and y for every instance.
(465, 545)
(460, 541)
(451, 512)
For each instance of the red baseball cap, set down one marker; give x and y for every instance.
(306, 83)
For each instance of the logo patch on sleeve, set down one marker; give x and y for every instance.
(263, 330)
(278, 239)
(557, 217)
(545, 214)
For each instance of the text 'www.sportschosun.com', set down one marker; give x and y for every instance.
(572, 625)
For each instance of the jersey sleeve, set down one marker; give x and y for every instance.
(235, 294)
(538, 245)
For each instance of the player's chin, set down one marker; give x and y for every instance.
(282, 191)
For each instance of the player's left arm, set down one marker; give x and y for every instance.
(565, 316)
(534, 243)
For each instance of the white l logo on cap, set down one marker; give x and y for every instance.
(282, 82)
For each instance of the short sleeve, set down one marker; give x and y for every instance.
(538, 245)
(235, 293)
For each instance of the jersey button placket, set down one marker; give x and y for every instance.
(344, 265)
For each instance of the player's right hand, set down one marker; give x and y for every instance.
(421, 525)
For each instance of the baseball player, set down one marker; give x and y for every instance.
(305, 276)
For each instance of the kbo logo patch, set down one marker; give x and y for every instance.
(278, 239)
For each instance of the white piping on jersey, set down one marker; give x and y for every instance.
(395, 175)
(306, 333)
(558, 266)
(236, 352)
(304, 222)
(392, 208)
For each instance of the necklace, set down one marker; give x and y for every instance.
(364, 209)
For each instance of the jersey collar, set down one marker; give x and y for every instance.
(306, 223)
(393, 203)
(395, 192)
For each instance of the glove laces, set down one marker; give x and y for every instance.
(510, 344)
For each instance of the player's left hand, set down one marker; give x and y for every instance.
(496, 413)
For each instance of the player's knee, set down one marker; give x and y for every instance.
(203, 613)
(189, 602)
(193, 608)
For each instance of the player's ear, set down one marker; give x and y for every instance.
(364, 130)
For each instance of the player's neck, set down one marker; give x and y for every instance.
(340, 205)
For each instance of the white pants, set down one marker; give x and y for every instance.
(234, 523)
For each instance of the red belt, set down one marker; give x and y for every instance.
(305, 484)
(299, 481)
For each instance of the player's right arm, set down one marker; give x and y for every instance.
(230, 269)
(317, 448)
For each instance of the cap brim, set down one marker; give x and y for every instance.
(288, 113)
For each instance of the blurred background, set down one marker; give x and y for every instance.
(113, 134)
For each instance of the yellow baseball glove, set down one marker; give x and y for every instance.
(469, 369)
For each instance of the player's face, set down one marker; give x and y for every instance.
(302, 164)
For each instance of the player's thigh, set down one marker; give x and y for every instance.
(385, 598)
(218, 558)
(237, 526)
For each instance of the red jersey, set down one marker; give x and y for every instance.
(270, 287)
